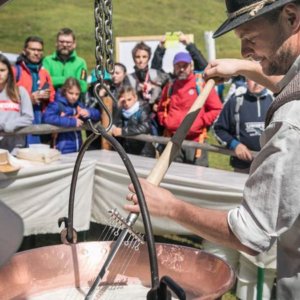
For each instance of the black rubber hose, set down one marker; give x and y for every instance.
(139, 192)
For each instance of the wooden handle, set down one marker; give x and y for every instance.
(108, 102)
(173, 146)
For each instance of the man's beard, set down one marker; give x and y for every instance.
(282, 59)
(280, 63)
(182, 76)
(65, 52)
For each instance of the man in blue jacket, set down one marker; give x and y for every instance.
(241, 123)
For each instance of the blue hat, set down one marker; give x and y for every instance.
(182, 57)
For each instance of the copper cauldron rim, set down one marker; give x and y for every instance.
(202, 275)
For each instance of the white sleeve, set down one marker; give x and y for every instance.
(271, 196)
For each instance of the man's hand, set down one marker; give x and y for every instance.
(222, 69)
(116, 131)
(242, 152)
(35, 97)
(40, 95)
(162, 41)
(184, 39)
(44, 94)
(159, 200)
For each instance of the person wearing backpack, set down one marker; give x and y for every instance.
(147, 81)
(242, 122)
(132, 118)
(30, 74)
(177, 98)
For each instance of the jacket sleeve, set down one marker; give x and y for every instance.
(157, 61)
(52, 115)
(82, 76)
(117, 117)
(26, 115)
(224, 127)
(94, 114)
(199, 60)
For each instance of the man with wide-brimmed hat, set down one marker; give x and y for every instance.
(269, 31)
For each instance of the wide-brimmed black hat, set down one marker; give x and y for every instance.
(242, 11)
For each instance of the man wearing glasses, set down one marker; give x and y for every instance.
(30, 74)
(65, 62)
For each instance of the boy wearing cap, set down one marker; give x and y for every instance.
(270, 33)
(177, 98)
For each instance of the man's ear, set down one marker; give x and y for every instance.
(292, 14)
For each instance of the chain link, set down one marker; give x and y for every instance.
(104, 38)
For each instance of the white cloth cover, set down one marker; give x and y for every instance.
(205, 187)
(39, 193)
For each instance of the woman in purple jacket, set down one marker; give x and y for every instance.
(67, 111)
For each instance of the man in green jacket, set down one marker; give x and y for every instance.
(64, 62)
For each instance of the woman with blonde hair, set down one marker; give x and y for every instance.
(15, 107)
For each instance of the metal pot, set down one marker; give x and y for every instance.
(72, 268)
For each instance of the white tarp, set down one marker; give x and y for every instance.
(205, 187)
(39, 193)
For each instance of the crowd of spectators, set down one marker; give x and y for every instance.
(55, 90)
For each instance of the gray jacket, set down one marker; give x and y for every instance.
(13, 116)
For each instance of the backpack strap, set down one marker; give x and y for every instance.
(170, 88)
(200, 83)
(18, 72)
(240, 92)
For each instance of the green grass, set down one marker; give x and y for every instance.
(21, 18)
(216, 160)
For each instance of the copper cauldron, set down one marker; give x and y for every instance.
(67, 272)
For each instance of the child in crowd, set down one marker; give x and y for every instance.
(132, 118)
(15, 107)
(67, 111)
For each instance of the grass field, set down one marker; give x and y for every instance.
(21, 18)
(216, 160)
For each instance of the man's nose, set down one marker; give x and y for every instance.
(246, 51)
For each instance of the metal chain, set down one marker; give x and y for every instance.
(104, 38)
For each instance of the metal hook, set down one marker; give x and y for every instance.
(98, 86)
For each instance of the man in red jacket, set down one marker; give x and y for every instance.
(177, 98)
(30, 74)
